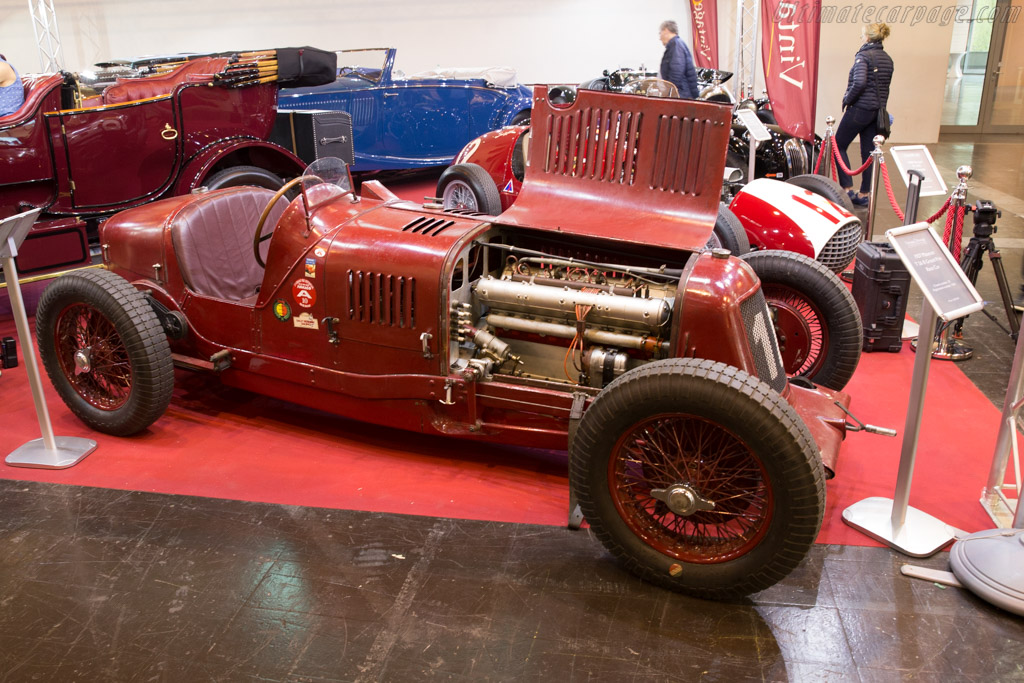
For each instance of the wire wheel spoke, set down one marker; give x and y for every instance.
(106, 383)
(684, 450)
(800, 327)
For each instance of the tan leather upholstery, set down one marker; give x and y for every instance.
(213, 236)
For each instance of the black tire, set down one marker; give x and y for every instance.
(468, 187)
(130, 376)
(729, 233)
(521, 119)
(816, 318)
(237, 176)
(826, 187)
(767, 117)
(747, 449)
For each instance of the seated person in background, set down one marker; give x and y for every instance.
(12, 92)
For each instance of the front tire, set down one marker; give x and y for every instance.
(698, 477)
(105, 351)
(468, 187)
(816, 318)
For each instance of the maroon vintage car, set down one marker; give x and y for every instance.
(587, 317)
(81, 155)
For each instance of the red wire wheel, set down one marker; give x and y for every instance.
(800, 329)
(698, 477)
(92, 357)
(816, 319)
(704, 461)
(105, 351)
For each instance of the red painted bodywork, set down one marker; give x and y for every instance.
(92, 161)
(390, 288)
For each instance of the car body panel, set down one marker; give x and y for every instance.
(413, 122)
(617, 174)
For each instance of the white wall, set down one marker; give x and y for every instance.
(546, 40)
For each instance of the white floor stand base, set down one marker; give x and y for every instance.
(69, 451)
(920, 535)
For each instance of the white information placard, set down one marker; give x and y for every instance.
(16, 227)
(947, 289)
(750, 121)
(918, 158)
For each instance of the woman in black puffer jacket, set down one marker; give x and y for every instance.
(871, 73)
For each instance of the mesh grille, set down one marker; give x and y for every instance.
(840, 250)
(763, 345)
(381, 299)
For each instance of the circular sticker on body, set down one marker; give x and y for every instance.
(304, 293)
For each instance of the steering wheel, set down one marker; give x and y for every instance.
(260, 237)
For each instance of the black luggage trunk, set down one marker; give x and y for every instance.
(880, 287)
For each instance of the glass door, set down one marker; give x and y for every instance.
(985, 72)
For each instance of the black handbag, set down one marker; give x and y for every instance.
(882, 125)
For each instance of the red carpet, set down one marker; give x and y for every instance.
(225, 443)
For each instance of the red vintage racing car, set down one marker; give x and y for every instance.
(82, 153)
(575, 320)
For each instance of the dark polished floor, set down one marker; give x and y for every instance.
(103, 585)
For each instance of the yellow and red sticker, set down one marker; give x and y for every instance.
(304, 293)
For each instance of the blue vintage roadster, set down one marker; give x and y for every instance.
(413, 121)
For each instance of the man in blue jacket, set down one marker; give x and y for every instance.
(677, 62)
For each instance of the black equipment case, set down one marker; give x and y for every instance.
(881, 284)
(312, 135)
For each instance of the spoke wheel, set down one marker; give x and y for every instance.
(92, 357)
(800, 328)
(459, 195)
(702, 461)
(105, 351)
(468, 187)
(698, 477)
(817, 321)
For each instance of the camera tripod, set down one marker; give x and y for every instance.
(971, 263)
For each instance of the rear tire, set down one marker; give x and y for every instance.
(710, 430)
(105, 351)
(816, 319)
(468, 187)
(826, 187)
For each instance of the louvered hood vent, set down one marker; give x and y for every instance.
(431, 227)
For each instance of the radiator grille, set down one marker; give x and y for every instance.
(763, 344)
(597, 144)
(840, 250)
(381, 299)
(431, 227)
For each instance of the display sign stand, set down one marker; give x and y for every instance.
(915, 181)
(49, 452)
(947, 294)
(758, 134)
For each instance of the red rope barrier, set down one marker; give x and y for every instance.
(956, 227)
(839, 161)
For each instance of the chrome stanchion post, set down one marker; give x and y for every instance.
(996, 504)
(876, 160)
(827, 161)
(946, 347)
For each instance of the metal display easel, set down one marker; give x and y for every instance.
(48, 452)
(947, 294)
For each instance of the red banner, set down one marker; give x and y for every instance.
(790, 35)
(704, 20)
